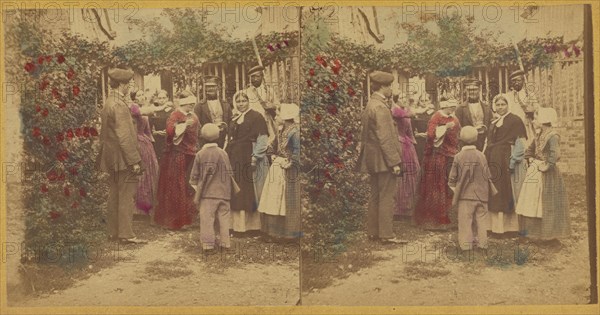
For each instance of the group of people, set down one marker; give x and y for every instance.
(234, 168)
(496, 166)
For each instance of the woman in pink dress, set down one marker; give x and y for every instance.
(409, 182)
(146, 189)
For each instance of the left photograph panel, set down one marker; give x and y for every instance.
(150, 155)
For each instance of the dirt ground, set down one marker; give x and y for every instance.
(430, 271)
(170, 270)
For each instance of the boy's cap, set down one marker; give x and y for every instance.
(468, 134)
(210, 132)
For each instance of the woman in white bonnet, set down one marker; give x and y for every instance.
(544, 213)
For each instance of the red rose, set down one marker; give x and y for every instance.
(51, 175)
(75, 204)
(67, 191)
(36, 132)
(86, 132)
(60, 58)
(70, 74)
(62, 155)
(38, 108)
(48, 58)
(73, 171)
(41, 59)
(44, 188)
(76, 90)
(270, 48)
(29, 67)
(327, 89)
(93, 132)
(82, 192)
(55, 93)
(45, 112)
(336, 69)
(47, 141)
(78, 132)
(62, 105)
(316, 134)
(44, 84)
(332, 109)
(334, 85)
(340, 132)
(311, 71)
(351, 91)
(54, 214)
(318, 117)
(337, 62)
(70, 134)
(309, 83)
(60, 137)
(567, 53)
(328, 174)
(339, 165)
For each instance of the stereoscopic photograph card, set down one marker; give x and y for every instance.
(299, 157)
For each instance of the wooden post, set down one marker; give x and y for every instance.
(237, 77)
(500, 85)
(368, 86)
(224, 87)
(479, 75)
(507, 83)
(243, 76)
(487, 85)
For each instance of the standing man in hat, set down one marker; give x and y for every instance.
(262, 100)
(380, 154)
(119, 156)
(213, 109)
(522, 102)
(474, 112)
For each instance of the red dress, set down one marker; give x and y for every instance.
(175, 195)
(435, 197)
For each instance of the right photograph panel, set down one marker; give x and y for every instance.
(444, 155)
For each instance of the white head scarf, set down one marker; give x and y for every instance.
(240, 117)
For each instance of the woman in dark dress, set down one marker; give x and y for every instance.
(158, 123)
(246, 147)
(504, 152)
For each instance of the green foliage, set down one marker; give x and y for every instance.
(62, 190)
(192, 42)
(330, 122)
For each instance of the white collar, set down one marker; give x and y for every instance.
(468, 147)
(240, 119)
(382, 96)
(209, 145)
(500, 120)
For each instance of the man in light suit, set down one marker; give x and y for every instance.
(119, 156)
(213, 109)
(474, 112)
(380, 154)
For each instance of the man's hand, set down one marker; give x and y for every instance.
(160, 132)
(136, 169)
(396, 170)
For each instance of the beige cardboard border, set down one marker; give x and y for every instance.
(522, 309)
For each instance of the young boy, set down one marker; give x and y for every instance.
(470, 180)
(212, 180)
